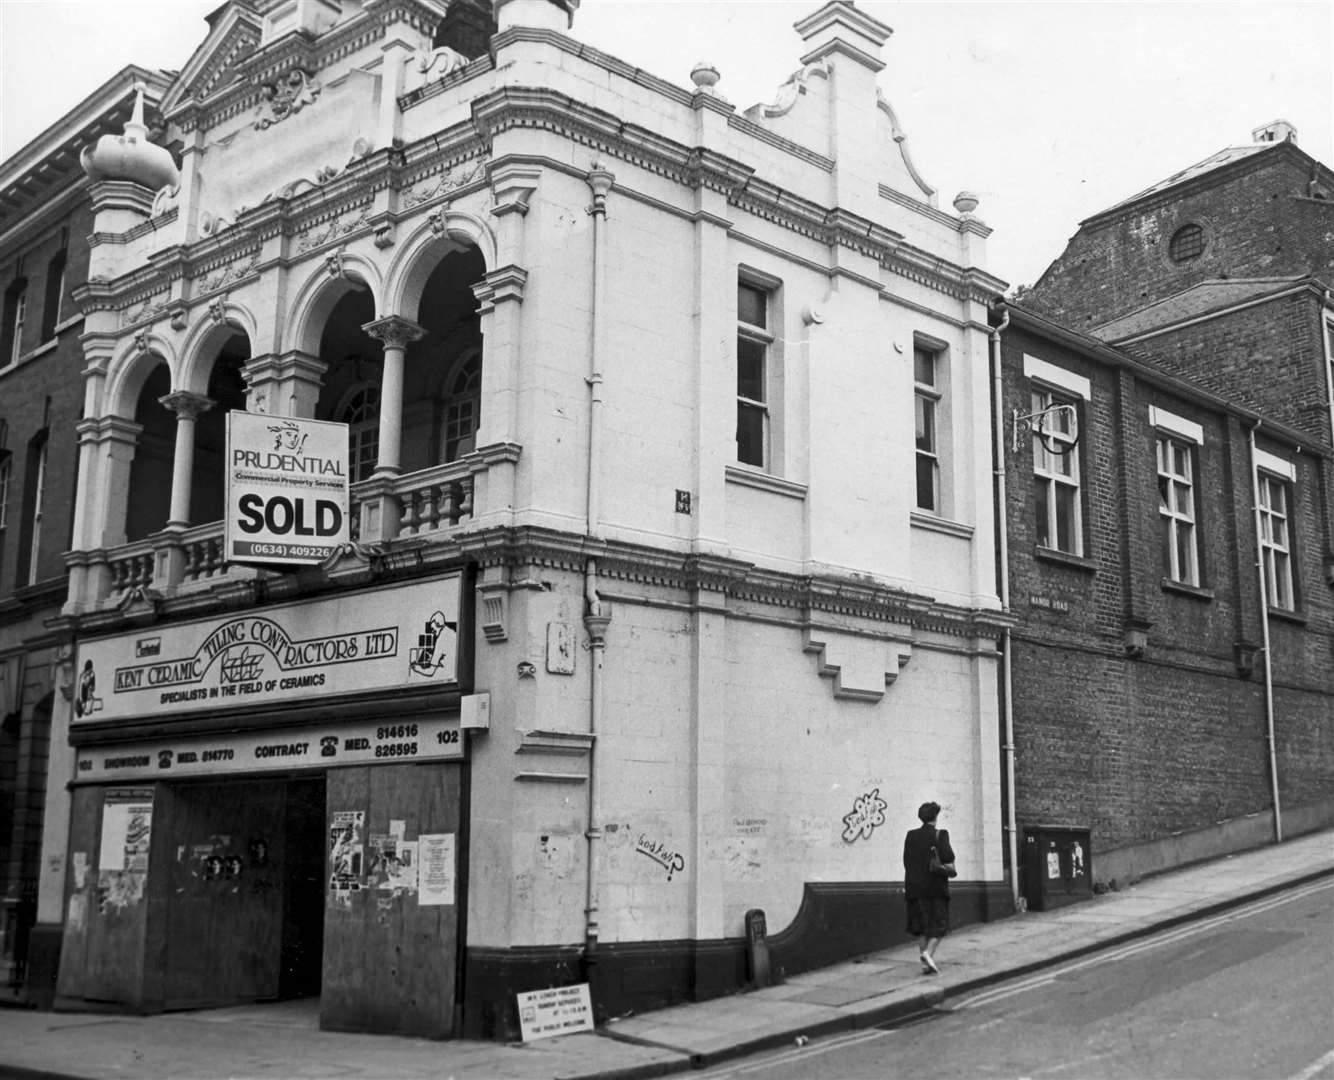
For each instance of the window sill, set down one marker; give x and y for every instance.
(1180, 588)
(920, 519)
(764, 482)
(1287, 615)
(1064, 558)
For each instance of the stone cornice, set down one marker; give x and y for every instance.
(108, 429)
(761, 133)
(597, 57)
(963, 283)
(824, 598)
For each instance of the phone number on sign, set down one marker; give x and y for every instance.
(254, 550)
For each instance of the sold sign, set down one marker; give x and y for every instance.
(287, 493)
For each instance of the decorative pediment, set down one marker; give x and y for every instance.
(234, 35)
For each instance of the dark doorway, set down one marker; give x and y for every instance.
(303, 908)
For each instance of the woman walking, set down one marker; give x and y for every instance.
(927, 891)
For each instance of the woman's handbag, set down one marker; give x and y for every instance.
(941, 869)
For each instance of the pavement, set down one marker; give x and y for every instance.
(283, 1040)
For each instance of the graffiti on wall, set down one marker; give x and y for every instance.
(660, 853)
(744, 849)
(868, 814)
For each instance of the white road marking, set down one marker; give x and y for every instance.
(1315, 1068)
(1155, 941)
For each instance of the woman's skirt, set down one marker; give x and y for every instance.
(929, 917)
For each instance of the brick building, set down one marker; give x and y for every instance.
(1146, 668)
(1221, 274)
(45, 220)
(673, 566)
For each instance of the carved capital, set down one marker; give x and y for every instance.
(394, 331)
(185, 405)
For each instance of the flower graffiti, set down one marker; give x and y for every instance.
(868, 812)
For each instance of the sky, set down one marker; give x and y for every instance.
(1047, 110)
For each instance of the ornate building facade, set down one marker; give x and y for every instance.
(672, 589)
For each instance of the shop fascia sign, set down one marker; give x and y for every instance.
(287, 489)
(322, 746)
(385, 639)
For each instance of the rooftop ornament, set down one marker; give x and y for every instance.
(130, 156)
(966, 202)
(705, 77)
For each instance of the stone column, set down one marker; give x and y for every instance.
(187, 407)
(169, 561)
(380, 508)
(393, 332)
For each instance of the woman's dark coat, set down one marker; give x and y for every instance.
(918, 881)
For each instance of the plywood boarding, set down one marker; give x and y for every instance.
(106, 923)
(389, 961)
(225, 870)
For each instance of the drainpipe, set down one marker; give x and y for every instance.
(1264, 635)
(596, 617)
(1003, 591)
(1327, 333)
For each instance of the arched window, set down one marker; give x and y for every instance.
(1187, 243)
(463, 407)
(361, 414)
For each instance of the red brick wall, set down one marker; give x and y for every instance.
(1140, 748)
(1269, 357)
(1257, 222)
(23, 394)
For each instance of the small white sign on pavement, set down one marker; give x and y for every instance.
(560, 1010)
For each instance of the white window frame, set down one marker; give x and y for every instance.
(20, 313)
(764, 337)
(1177, 506)
(1276, 535)
(34, 547)
(452, 406)
(6, 474)
(928, 401)
(362, 431)
(1329, 371)
(59, 297)
(1046, 472)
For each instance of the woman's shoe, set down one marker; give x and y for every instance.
(930, 964)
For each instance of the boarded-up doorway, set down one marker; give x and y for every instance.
(391, 940)
(244, 909)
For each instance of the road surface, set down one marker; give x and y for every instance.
(1245, 994)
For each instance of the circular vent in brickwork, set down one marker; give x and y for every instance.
(1186, 243)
